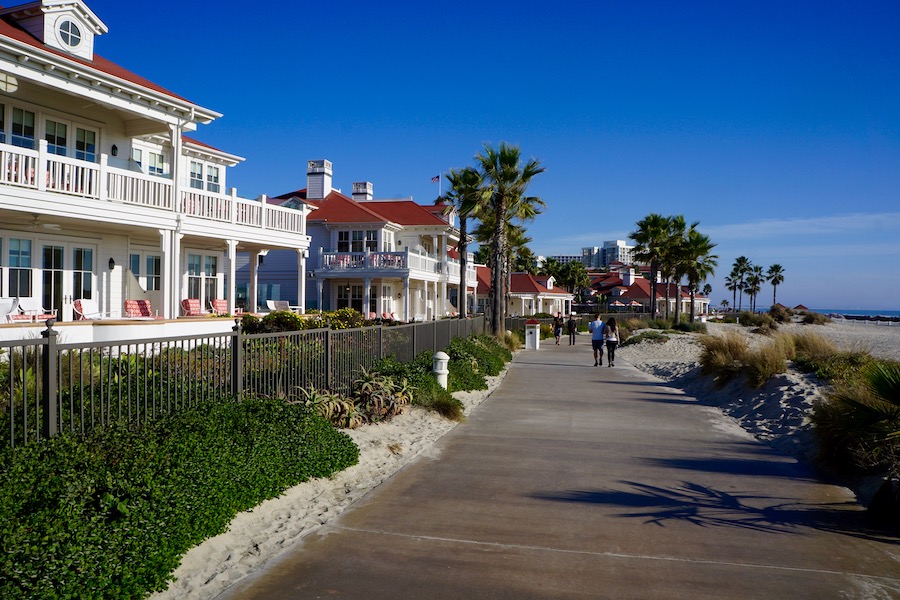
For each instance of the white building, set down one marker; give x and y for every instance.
(611, 251)
(379, 256)
(102, 194)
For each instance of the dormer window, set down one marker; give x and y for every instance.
(69, 34)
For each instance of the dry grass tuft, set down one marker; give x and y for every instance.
(723, 356)
(813, 347)
(764, 363)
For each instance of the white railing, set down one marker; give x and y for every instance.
(136, 188)
(379, 260)
(43, 171)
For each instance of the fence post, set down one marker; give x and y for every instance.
(328, 357)
(237, 360)
(415, 338)
(49, 358)
(434, 327)
(381, 342)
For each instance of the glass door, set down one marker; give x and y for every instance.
(67, 275)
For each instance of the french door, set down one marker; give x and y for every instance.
(67, 271)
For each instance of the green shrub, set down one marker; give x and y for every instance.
(761, 320)
(781, 314)
(653, 337)
(813, 318)
(110, 514)
(687, 326)
(858, 424)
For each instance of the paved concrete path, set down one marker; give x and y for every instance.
(575, 481)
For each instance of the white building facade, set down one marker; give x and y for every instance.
(103, 196)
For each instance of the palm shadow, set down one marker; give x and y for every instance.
(704, 506)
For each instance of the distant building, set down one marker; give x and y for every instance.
(611, 251)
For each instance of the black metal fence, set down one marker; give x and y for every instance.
(47, 387)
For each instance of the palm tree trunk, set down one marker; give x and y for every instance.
(463, 266)
(498, 318)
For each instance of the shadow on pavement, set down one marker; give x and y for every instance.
(707, 507)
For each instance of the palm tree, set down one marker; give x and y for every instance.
(466, 195)
(650, 237)
(575, 277)
(552, 268)
(707, 289)
(741, 269)
(506, 179)
(731, 284)
(700, 261)
(775, 276)
(753, 285)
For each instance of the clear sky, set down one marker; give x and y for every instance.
(775, 124)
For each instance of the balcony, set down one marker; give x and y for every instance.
(353, 263)
(46, 172)
(379, 261)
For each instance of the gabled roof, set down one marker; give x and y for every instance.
(338, 208)
(404, 212)
(519, 283)
(11, 31)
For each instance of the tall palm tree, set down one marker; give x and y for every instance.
(507, 179)
(552, 268)
(731, 284)
(700, 261)
(466, 195)
(775, 276)
(753, 284)
(650, 237)
(741, 269)
(707, 289)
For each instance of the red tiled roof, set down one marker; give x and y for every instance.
(405, 212)
(338, 208)
(99, 63)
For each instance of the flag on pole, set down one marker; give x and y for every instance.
(435, 179)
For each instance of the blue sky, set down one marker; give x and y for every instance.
(774, 124)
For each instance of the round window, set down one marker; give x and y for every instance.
(69, 33)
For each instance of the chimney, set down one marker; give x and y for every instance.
(627, 275)
(318, 179)
(362, 190)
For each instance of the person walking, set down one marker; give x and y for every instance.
(611, 335)
(597, 326)
(558, 326)
(572, 328)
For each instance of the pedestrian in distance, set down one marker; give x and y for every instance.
(611, 335)
(558, 326)
(572, 328)
(597, 326)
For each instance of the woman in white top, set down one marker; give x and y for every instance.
(611, 335)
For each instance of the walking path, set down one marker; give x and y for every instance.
(575, 481)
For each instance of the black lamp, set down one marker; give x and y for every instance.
(112, 263)
(114, 150)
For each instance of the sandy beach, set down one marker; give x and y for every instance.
(776, 413)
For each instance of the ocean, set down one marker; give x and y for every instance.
(863, 313)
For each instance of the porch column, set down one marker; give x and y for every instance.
(231, 292)
(301, 279)
(167, 276)
(367, 296)
(319, 284)
(444, 298)
(406, 298)
(254, 280)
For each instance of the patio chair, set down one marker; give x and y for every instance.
(30, 309)
(274, 305)
(140, 309)
(88, 310)
(8, 308)
(219, 306)
(387, 316)
(191, 307)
